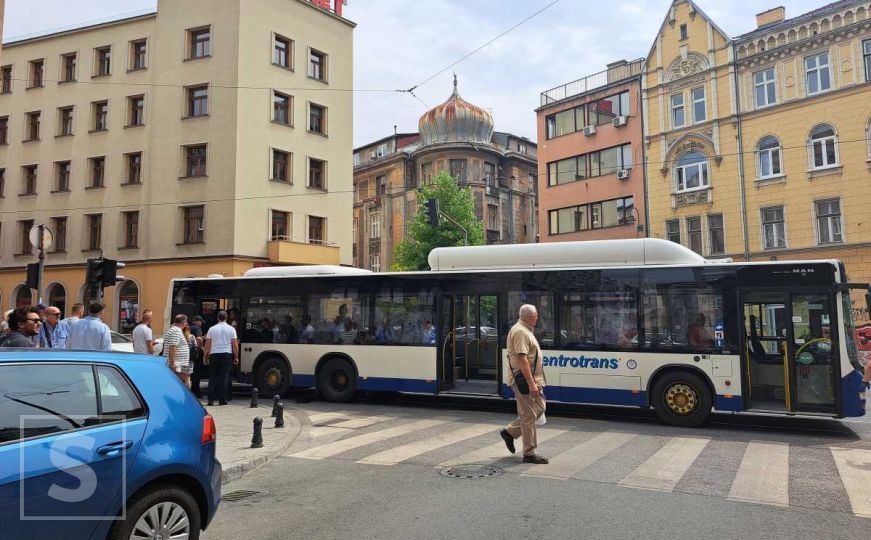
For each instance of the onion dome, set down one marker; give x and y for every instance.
(456, 120)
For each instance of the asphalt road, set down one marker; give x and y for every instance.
(377, 469)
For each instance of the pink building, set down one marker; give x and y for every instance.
(591, 158)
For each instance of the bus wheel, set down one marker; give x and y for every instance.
(682, 399)
(273, 377)
(337, 380)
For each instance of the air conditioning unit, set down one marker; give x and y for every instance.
(620, 121)
(589, 131)
(623, 174)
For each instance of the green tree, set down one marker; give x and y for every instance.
(454, 201)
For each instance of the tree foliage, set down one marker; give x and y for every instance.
(454, 201)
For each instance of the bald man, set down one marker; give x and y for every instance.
(53, 334)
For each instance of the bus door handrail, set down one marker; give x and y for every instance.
(444, 350)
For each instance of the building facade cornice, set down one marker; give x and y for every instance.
(802, 46)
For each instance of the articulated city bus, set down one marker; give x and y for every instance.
(642, 323)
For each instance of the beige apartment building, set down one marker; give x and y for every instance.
(203, 138)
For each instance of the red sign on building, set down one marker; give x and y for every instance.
(330, 5)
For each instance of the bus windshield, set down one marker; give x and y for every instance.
(849, 331)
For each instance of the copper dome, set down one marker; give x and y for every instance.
(456, 120)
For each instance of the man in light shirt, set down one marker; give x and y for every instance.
(221, 352)
(91, 333)
(143, 338)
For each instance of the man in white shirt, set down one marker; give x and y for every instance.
(221, 351)
(143, 338)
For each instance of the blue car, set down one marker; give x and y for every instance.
(102, 445)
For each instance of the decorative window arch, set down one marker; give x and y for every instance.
(22, 296)
(769, 158)
(691, 172)
(127, 313)
(56, 295)
(823, 147)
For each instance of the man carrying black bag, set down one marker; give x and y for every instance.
(526, 377)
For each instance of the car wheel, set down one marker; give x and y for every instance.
(164, 512)
(337, 380)
(682, 399)
(273, 377)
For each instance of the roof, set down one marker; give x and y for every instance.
(90, 25)
(50, 355)
(834, 6)
(697, 10)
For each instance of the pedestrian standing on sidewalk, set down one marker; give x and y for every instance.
(526, 373)
(177, 350)
(91, 333)
(53, 334)
(76, 314)
(24, 323)
(221, 352)
(143, 337)
(197, 355)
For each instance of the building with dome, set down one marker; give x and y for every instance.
(459, 138)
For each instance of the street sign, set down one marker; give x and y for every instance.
(41, 241)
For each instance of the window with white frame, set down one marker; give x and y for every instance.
(691, 172)
(381, 151)
(769, 162)
(677, 111)
(764, 88)
(818, 75)
(375, 225)
(773, 228)
(700, 112)
(375, 263)
(829, 221)
(823, 147)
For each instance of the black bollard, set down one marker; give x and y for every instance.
(279, 418)
(257, 439)
(275, 401)
(254, 393)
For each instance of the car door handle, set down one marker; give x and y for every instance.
(113, 449)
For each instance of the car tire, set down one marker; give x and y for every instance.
(273, 377)
(168, 500)
(337, 380)
(682, 399)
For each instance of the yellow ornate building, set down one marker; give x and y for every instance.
(758, 145)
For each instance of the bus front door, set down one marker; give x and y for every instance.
(469, 344)
(789, 357)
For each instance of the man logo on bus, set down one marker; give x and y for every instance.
(581, 362)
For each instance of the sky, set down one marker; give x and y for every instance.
(400, 43)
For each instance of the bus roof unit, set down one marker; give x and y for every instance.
(311, 270)
(593, 253)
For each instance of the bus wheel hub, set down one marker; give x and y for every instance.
(681, 398)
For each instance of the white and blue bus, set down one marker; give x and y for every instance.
(642, 323)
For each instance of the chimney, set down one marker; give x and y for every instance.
(772, 16)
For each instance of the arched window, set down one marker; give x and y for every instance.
(128, 306)
(769, 162)
(691, 172)
(57, 297)
(22, 296)
(823, 147)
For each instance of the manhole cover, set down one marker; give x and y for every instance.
(238, 495)
(471, 471)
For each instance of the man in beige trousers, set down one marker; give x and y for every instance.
(524, 356)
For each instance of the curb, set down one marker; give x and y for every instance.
(235, 472)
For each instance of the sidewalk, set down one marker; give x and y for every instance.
(235, 424)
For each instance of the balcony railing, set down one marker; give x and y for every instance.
(616, 72)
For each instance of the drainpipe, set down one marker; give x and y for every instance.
(643, 163)
(743, 191)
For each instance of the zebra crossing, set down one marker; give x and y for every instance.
(750, 471)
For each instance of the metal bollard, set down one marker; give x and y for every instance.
(279, 418)
(275, 401)
(257, 439)
(254, 393)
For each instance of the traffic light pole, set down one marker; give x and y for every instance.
(452, 220)
(41, 279)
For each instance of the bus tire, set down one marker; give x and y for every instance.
(681, 398)
(273, 377)
(337, 380)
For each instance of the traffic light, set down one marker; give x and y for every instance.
(432, 212)
(110, 273)
(94, 273)
(33, 275)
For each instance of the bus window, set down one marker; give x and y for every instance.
(338, 318)
(404, 317)
(543, 302)
(684, 317)
(273, 319)
(601, 314)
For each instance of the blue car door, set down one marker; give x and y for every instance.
(61, 460)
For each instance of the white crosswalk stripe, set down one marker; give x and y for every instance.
(763, 476)
(574, 460)
(344, 445)
(490, 453)
(854, 467)
(664, 469)
(408, 451)
(357, 423)
(320, 418)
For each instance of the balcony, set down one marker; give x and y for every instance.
(615, 72)
(287, 252)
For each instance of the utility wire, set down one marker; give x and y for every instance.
(212, 85)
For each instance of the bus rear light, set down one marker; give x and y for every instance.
(209, 431)
(728, 396)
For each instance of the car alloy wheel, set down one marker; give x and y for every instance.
(162, 521)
